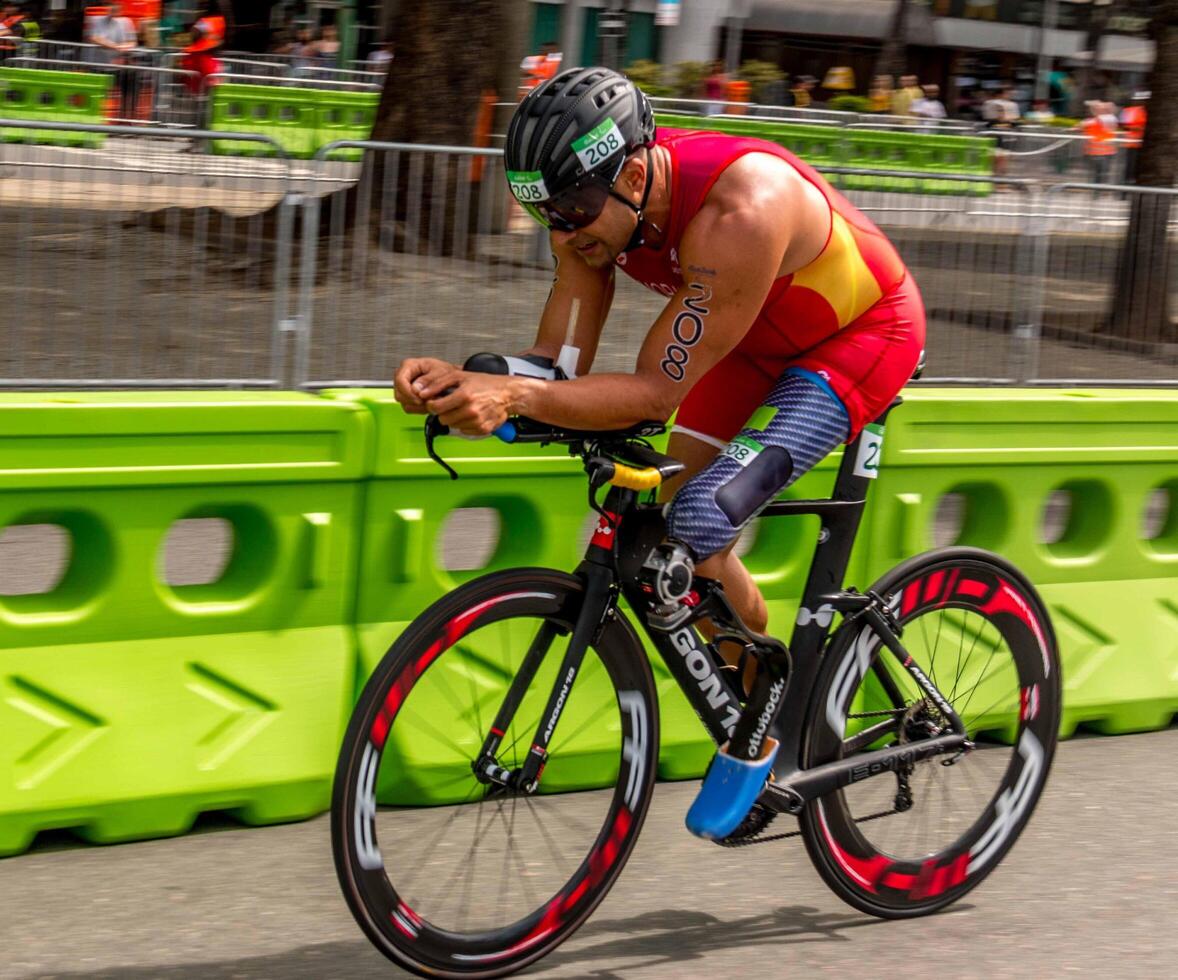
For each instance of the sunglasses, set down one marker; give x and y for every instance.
(577, 206)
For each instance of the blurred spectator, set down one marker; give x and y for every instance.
(116, 38)
(379, 58)
(775, 92)
(1100, 148)
(146, 14)
(327, 47)
(908, 92)
(16, 25)
(1060, 89)
(303, 50)
(114, 34)
(1001, 114)
(207, 37)
(880, 94)
(803, 91)
(1133, 118)
(929, 107)
(538, 68)
(1040, 112)
(715, 90)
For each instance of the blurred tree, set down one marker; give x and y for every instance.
(689, 78)
(452, 57)
(650, 76)
(1141, 308)
(893, 56)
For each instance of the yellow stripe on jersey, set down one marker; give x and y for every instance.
(840, 275)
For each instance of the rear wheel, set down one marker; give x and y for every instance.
(910, 842)
(449, 874)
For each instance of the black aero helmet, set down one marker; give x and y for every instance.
(580, 124)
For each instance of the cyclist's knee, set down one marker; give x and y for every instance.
(799, 423)
(712, 508)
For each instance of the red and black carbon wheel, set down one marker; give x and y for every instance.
(897, 845)
(453, 876)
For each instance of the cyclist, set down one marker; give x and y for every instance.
(790, 323)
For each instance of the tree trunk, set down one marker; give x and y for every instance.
(893, 56)
(1141, 307)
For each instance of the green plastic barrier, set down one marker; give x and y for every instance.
(1113, 593)
(286, 114)
(540, 497)
(129, 706)
(300, 119)
(53, 96)
(866, 149)
(345, 116)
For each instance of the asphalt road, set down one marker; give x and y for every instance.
(1091, 890)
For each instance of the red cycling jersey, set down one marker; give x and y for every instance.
(853, 315)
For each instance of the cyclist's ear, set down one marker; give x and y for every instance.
(633, 175)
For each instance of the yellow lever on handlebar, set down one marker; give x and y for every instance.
(634, 479)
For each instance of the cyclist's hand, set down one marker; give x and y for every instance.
(477, 406)
(421, 378)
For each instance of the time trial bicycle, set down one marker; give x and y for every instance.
(915, 737)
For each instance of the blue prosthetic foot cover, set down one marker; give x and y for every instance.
(729, 791)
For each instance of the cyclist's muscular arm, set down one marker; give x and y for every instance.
(591, 291)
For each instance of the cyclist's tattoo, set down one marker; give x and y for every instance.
(688, 330)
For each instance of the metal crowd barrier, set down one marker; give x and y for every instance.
(141, 264)
(294, 81)
(421, 249)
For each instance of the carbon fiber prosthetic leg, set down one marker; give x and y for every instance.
(799, 424)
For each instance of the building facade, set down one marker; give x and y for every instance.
(960, 44)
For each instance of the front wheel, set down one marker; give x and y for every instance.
(906, 843)
(452, 874)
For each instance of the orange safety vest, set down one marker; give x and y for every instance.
(539, 68)
(9, 41)
(1135, 117)
(208, 33)
(1100, 138)
(738, 91)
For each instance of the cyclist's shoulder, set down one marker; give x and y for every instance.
(761, 188)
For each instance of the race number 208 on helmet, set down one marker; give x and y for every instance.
(567, 144)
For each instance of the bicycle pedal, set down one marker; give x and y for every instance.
(670, 617)
(728, 793)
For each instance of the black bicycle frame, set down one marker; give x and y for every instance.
(785, 680)
(707, 686)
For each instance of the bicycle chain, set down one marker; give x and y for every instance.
(756, 839)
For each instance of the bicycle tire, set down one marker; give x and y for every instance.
(960, 586)
(503, 603)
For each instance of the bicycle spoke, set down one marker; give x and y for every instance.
(427, 726)
(542, 829)
(969, 657)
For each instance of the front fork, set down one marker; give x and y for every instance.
(600, 598)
